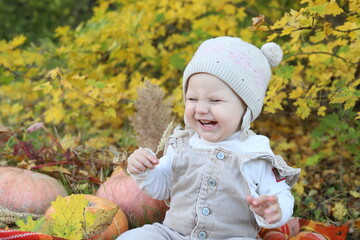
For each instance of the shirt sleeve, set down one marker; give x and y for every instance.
(263, 181)
(157, 182)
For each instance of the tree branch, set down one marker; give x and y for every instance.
(327, 53)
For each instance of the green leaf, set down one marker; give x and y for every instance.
(315, 144)
(177, 61)
(285, 71)
(96, 84)
(320, 9)
(30, 225)
(313, 160)
(159, 17)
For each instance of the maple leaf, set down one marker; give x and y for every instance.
(303, 110)
(333, 9)
(321, 111)
(69, 215)
(339, 211)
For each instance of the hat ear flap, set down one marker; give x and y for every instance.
(245, 125)
(246, 120)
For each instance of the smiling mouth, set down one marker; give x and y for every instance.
(207, 123)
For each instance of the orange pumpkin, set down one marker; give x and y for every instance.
(119, 223)
(27, 191)
(139, 207)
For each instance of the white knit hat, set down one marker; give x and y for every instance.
(244, 67)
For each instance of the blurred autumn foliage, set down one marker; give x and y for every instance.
(83, 86)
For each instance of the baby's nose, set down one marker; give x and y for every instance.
(202, 107)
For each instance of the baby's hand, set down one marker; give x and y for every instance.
(140, 160)
(267, 207)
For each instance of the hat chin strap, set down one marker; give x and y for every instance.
(245, 125)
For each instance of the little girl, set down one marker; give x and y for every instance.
(223, 181)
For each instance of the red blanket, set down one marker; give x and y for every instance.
(14, 235)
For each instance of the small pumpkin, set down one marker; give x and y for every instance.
(23, 190)
(138, 206)
(118, 225)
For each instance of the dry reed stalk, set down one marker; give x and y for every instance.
(152, 116)
(169, 129)
(9, 217)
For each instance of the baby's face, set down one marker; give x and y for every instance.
(212, 109)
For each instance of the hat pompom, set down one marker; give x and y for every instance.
(273, 53)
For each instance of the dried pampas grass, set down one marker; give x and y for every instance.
(152, 118)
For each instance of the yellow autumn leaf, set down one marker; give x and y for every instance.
(17, 41)
(65, 83)
(54, 73)
(55, 114)
(357, 116)
(282, 22)
(345, 95)
(110, 112)
(148, 50)
(272, 37)
(297, 92)
(69, 215)
(299, 188)
(229, 9)
(302, 110)
(333, 9)
(68, 141)
(59, 169)
(354, 6)
(5, 61)
(328, 30)
(321, 111)
(355, 194)
(98, 142)
(287, 31)
(79, 77)
(16, 108)
(62, 31)
(45, 87)
(339, 211)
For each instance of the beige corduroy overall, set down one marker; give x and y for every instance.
(208, 196)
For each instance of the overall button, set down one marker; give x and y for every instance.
(220, 155)
(202, 235)
(211, 182)
(205, 211)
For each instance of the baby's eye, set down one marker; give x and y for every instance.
(192, 99)
(215, 100)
